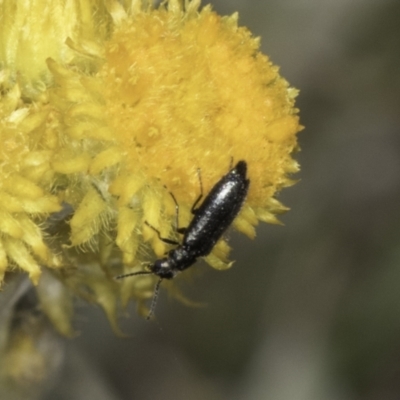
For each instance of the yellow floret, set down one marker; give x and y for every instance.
(118, 105)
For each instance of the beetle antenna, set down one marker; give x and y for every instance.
(154, 300)
(133, 274)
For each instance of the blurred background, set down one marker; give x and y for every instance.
(310, 310)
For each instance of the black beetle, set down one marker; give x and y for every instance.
(210, 221)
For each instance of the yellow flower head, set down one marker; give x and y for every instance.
(144, 98)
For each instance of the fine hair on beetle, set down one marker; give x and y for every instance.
(210, 220)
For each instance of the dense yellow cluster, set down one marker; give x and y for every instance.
(25, 179)
(113, 107)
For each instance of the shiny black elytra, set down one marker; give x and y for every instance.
(211, 219)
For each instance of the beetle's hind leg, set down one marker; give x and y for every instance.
(194, 209)
(179, 230)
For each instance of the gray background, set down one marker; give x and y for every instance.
(310, 310)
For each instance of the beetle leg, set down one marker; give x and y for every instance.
(165, 240)
(176, 214)
(193, 210)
